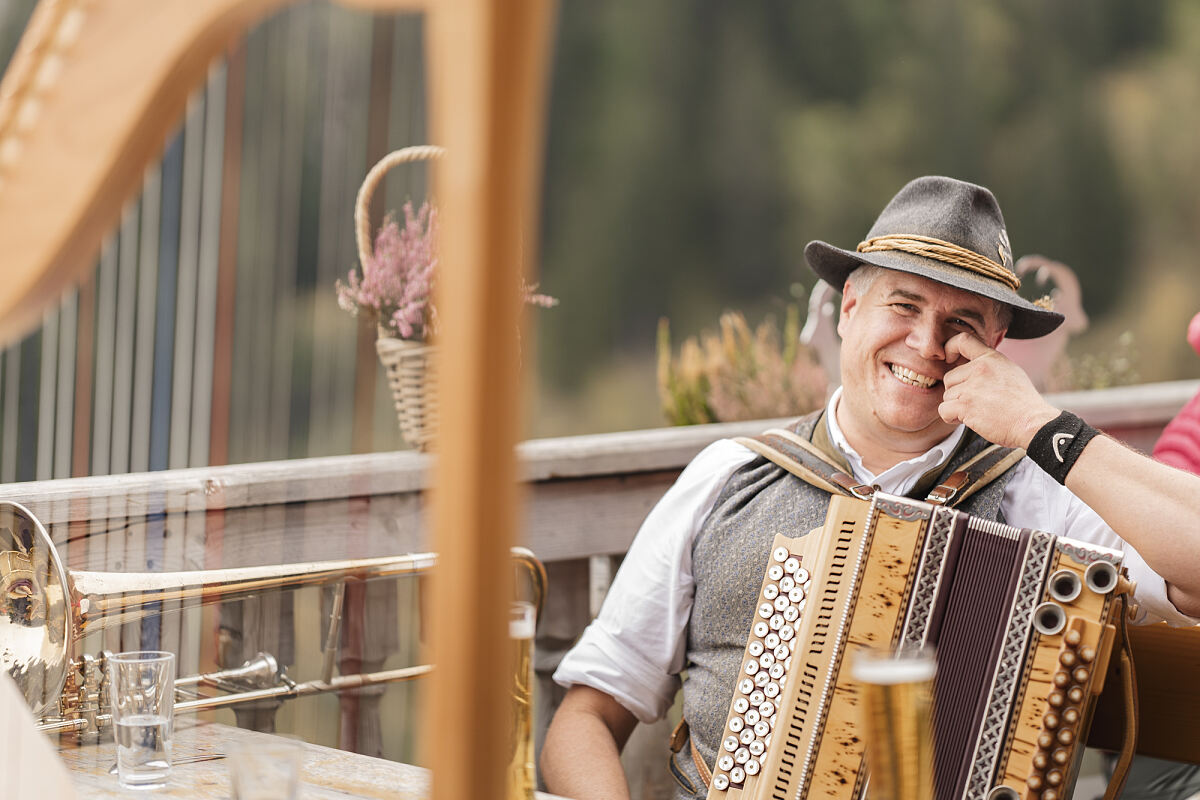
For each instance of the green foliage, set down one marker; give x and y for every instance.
(694, 148)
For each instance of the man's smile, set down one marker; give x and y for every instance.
(912, 378)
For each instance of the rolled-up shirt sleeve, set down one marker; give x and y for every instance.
(635, 649)
(1035, 500)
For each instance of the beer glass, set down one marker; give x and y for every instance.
(897, 719)
(522, 779)
(142, 688)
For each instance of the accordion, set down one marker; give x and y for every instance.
(1023, 623)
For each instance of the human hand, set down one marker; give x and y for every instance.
(991, 394)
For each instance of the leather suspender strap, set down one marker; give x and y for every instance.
(1116, 783)
(974, 475)
(803, 459)
(682, 735)
(705, 774)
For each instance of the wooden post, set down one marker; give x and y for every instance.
(487, 69)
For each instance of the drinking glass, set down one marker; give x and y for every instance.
(897, 703)
(142, 690)
(266, 767)
(522, 779)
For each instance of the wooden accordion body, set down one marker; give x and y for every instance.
(1022, 621)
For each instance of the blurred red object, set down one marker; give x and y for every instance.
(1179, 444)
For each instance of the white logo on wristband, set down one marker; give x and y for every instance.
(1058, 439)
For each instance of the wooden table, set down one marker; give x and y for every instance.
(326, 773)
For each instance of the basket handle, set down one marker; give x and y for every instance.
(362, 217)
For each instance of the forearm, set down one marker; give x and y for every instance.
(1151, 506)
(581, 756)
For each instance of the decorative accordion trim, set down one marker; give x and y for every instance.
(929, 577)
(994, 729)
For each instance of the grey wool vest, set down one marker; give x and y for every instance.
(729, 558)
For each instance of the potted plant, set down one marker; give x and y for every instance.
(393, 286)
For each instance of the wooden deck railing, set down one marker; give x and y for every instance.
(585, 497)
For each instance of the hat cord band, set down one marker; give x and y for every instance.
(947, 252)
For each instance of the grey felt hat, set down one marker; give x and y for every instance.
(946, 230)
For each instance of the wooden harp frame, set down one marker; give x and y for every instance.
(92, 93)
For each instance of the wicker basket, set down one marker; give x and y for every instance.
(409, 364)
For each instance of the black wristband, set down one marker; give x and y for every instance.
(1057, 445)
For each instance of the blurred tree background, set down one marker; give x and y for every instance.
(694, 148)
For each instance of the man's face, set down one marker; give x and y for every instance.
(894, 337)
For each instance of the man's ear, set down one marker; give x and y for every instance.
(849, 301)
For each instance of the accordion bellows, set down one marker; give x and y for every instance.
(1021, 621)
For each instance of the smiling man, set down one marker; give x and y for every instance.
(926, 299)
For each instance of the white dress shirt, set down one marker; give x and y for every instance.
(635, 649)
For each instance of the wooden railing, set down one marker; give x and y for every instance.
(585, 499)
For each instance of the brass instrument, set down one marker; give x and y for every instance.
(45, 610)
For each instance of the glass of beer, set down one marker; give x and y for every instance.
(522, 780)
(897, 721)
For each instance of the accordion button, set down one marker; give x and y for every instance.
(786, 632)
(730, 743)
(761, 729)
(1081, 674)
(772, 688)
(1071, 716)
(1050, 720)
(775, 572)
(761, 629)
(778, 669)
(757, 748)
(741, 705)
(1055, 698)
(791, 565)
(1054, 777)
(767, 740)
(751, 667)
(791, 613)
(1066, 736)
(1061, 757)
(783, 601)
(802, 576)
(1075, 695)
(741, 756)
(780, 554)
(762, 678)
(796, 595)
(766, 610)
(1072, 638)
(787, 583)
(737, 775)
(1062, 679)
(771, 640)
(752, 718)
(746, 686)
(766, 660)
(1067, 658)
(767, 708)
(1045, 740)
(745, 737)
(1034, 782)
(721, 782)
(725, 763)
(1049, 794)
(752, 767)
(1087, 654)
(755, 649)
(1040, 761)
(770, 591)
(736, 724)
(782, 652)
(757, 698)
